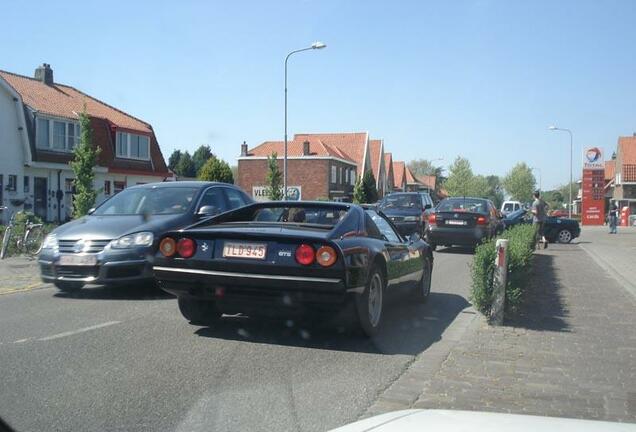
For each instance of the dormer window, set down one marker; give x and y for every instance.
(133, 146)
(57, 135)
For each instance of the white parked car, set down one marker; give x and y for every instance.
(510, 206)
(419, 420)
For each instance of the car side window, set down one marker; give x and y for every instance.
(385, 228)
(213, 197)
(372, 229)
(235, 198)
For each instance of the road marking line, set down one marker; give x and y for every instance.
(31, 287)
(82, 330)
(22, 340)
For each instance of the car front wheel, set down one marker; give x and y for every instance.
(564, 236)
(198, 312)
(423, 287)
(370, 304)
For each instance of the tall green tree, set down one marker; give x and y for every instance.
(370, 189)
(359, 196)
(173, 160)
(84, 160)
(201, 156)
(495, 190)
(520, 182)
(185, 167)
(421, 167)
(274, 178)
(234, 169)
(216, 170)
(460, 178)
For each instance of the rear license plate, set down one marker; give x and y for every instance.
(77, 260)
(455, 222)
(244, 250)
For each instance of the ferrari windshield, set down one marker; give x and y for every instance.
(327, 216)
(149, 201)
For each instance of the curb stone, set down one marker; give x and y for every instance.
(411, 387)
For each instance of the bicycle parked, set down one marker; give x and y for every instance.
(30, 242)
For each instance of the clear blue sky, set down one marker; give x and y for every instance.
(477, 78)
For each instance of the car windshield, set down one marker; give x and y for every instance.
(327, 217)
(401, 201)
(463, 205)
(148, 201)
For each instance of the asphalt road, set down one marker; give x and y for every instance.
(125, 360)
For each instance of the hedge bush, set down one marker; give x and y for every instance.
(521, 242)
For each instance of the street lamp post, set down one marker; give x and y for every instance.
(539, 171)
(315, 45)
(554, 128)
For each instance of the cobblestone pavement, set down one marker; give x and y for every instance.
(19, 274)
(571, 352)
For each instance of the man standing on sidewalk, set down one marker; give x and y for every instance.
(613, 218)
(539, 208)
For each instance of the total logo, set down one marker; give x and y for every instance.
(593, 154)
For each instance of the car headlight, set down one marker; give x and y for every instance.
(410, 218)
(133, 240)
(50, 242)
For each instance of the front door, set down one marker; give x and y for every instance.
(39, 196)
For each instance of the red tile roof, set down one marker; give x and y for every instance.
(398, 174)
(388, 168)
(375, 147)
(410, 178)
(348, 146)
(610, 170)
(64, 101)
(428, 181)
(295, 148)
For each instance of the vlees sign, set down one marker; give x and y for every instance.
(294, 193)
(593, 187)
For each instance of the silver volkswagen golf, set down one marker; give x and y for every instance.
(114, 243)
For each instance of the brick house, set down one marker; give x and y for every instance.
(388, 164)
(625, 173)
(39, 127)
(321, 166)
(376, 155)
(399, 176)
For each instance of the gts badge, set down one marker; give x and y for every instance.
(284, 253)
(204, 247)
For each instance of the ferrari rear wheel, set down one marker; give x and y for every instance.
(198, 312)
(370, 304)
(423, 288)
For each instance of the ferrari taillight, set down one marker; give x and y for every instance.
(432, 218)
(168, 247)
(305, 254)
(326, 256)
(186, 247)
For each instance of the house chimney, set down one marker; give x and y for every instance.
(244, 149)
(306, 148)
(44, 73)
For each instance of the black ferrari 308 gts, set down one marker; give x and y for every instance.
(293, 257)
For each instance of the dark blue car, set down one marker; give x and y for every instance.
(114, 243)
(556, 229)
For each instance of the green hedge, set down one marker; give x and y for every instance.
(520, 251)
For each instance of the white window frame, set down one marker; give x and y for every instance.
(334, 174)
(352, 177)
(128, 154)
(50, 122)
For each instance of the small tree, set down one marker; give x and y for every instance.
(185, 167)
(216, 170)
(84, 160)
(359, 197)
(201, 156)
(173, 160)
(520, 182)
(274, 179)
(370, 189)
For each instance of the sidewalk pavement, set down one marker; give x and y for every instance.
(614, 252)
(19, 274)
(570, 353)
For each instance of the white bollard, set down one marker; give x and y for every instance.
(500, 279)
